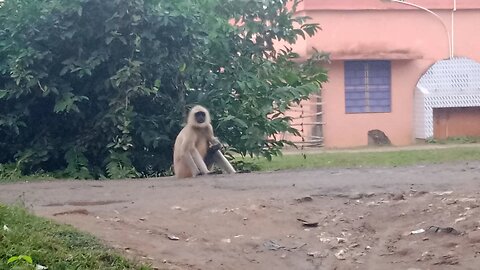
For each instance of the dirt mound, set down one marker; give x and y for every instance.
(421, 217)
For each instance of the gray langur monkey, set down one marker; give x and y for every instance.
(196, 149)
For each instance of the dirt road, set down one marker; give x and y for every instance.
(250, 221)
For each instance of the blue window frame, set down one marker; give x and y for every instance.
(368, 86)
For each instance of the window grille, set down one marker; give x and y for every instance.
(367, 86)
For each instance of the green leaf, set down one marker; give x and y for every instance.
(12, 259)
(123, 40)
(64, 104)
(3, 93)
(182, 67)
(109, 40)
(26, 258)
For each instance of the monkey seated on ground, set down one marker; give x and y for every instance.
(196, 149)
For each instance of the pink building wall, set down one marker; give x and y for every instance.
(370, 29)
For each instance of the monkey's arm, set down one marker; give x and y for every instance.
(222, 162)
(214, 155)
(190, 158)
(191, 164)
(197, 158)
(210, 137)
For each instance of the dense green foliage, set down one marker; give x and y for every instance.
(33, 240)
(92, 88)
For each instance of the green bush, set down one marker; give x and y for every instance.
(92, 88)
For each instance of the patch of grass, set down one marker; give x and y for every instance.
(367, 159)
(58, 247)
(27, 178)
(11, 173)
(456, 140)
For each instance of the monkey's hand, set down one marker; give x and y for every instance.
(215, 141)
(215, 145)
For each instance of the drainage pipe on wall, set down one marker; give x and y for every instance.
(450, 53)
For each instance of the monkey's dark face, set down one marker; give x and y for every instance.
(200, 117)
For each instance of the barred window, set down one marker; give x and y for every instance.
(367, 86)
